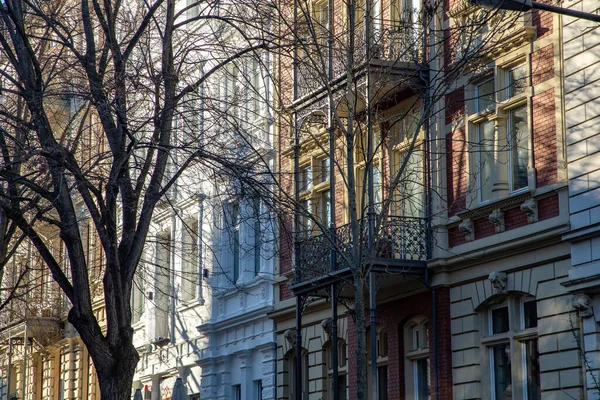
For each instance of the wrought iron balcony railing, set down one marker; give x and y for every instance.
(391, 42)
(398, 241)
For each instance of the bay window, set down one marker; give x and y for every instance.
(500, 130)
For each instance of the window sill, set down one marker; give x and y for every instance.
(186, 305)
(484, 210)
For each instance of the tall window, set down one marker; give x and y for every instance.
(500, 130)
(189, 273)
(137, 296)
(511, 344)
(232, 229)
(162, 285)
(315, 202)
(382, 363)
(257, 235)
(416, 352)
(342, 369)
(291, 368)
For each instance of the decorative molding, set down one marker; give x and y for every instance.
(466, 226)
(502, 204)
(530, 208)
(327, 325)
(290, 336)
(498, 280)
(497, 218)
(583, 305)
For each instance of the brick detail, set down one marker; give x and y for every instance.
(542, 64)
(514, 218)
(456, 165)
(455, 236)
(548, 207)
(543, 20)
(285, 256)
(455, 105)
(544, 138)
(483, 228)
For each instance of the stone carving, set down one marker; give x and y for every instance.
(327, 325)
(498, 280)
(497, 218)
(529, 207)
(290, 336)
(583, 304)
(466, 226)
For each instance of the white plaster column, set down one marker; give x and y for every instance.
(208, 380)
(268, 372)
(224, 381)
(156, 395)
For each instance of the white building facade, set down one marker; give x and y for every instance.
(204, 289)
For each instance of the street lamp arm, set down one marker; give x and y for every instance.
(566, 11)
(526, 5)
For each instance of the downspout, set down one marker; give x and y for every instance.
(297, 271)
(332, 224)
(428, 225)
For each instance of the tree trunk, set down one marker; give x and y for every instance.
(361, 344)
(115, 372)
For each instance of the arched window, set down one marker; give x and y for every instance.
(416, 353)
(509, 341)
(342, 369)
(291, 374)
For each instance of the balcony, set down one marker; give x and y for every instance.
(395, 50)
(401, 243)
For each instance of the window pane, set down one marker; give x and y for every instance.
(485, 96)
(485, 139)
(530, 314)
(422, 379)
(500, 320)
(382, 386)
(517, 80)
(342, 387)
(305, 178)
(519, 147)
(502, 371)
(324, 205)
(532, 370)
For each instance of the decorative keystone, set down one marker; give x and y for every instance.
(498, 280)
(327, 325)
(290, 336)
(530, 208)
(467, 228)
(497, 218)
(583, 305)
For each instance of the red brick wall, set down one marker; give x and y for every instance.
(543, 20)
(544, 138)
(483, 228)
(455, 105)
(542, 65)
(456, 165)
(548, 207)
(455, 236)
(393, 316)
(514, 218)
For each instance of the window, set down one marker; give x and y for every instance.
(137, 296)
(321, 23)
(315, 201)
(500, 130)
(232, 229)
(291, 367)
(189, 273)
(257, 235)
(237, 392)
(342, 369)
(511, 344)
(416, 352)
(382, 362)
(162, 284)
(258, 388)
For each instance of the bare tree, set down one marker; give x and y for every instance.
(92, 95)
